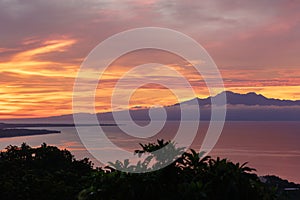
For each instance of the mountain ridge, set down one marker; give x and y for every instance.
(249, 99)
(248, 107)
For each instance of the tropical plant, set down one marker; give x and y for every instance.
(47, 172)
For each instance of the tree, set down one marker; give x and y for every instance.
(191, 176)
(45, 172)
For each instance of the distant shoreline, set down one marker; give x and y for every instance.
(12, 132)
(30, 125)
(18, 130)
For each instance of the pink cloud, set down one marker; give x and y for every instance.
(255, 43)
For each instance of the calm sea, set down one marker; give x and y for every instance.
(270, 147)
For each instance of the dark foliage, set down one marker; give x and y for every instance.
(41, 173)
(284, 189)
(47, 172)
(189, 177)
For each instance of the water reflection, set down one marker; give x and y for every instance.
(270, 147)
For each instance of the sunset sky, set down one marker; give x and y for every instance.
(255, 44)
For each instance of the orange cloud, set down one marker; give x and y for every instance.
(27, 62)
(33, 86)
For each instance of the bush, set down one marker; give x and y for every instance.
(47, 172)
(189, 177)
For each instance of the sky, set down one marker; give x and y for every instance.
(255, 45)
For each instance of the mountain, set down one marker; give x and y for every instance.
(240, 107)
(249, 99)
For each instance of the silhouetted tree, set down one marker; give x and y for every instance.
(47, 172)
(41, 173)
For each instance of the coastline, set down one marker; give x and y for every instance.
(8, 130)
(12, 132)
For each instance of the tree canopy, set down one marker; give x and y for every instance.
(47, 172)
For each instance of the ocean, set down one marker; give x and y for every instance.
(272, 148)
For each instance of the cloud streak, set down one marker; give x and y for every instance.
(44, 42)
